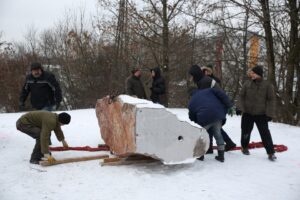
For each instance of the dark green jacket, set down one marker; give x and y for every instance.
(257, 98)
(134, 86)
(47, 122)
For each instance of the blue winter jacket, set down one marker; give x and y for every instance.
(208, 106)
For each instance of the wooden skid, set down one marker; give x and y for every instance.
(127, 160)
(71, 160)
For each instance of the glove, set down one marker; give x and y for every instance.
(238, 112)
(231, 111)
(21, 107)
(65, 144)
(269, 118)
(49, 158)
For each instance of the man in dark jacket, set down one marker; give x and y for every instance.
(38, 125)
(257, 103)
(158, 87)
(44, 89)
(208, 71)
(134, 85)
(208, 107)
(202, 81)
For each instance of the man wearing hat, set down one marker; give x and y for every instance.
(208, 71)
(38, 125)
(134, 85)
(257, 103)
(44, 89)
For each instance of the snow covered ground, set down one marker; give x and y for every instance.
(239, 177)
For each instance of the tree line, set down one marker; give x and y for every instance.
(93, 56)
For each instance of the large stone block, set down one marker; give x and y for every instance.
(134, 126)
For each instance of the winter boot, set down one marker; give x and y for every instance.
(220, 156)
(272, 157)
(33, 161)
(210, 150)
(230, 146)
(201, 158)
(245, 151)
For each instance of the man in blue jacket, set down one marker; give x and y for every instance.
(208, 107)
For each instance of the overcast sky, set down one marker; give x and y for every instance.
(16, 16)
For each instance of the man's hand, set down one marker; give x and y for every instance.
(231, 111)
(238, 112)
(269, 118)
(49, 158)
(65, 144)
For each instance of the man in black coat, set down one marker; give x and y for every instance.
(208, 71)
(158, 87)
(134, 85)
(44, 89)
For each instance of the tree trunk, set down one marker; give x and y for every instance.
(269, 41)
(166, 48)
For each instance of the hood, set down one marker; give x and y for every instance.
(196, 72)
(157, 72)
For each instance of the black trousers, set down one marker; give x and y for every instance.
(35, 133)
(263, 128)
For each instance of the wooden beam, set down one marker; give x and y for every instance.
(127, 161)
(71, 160)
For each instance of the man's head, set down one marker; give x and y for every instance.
(196, 73)
(155, 72)
(207, 70)
(136, 72)
(64, 118)
(256, 72)
(36, 69)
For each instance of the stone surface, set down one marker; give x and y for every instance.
(133, 126)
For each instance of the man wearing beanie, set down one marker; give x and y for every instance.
(38, 125)
(257, 103)
(134, 85)
(44, 90)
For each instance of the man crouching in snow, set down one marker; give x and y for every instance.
(38, 125)
(208, 107)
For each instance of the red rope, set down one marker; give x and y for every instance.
(254, 145)
(101, 147)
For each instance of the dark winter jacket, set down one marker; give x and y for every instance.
(257, 98)
(158, 87)
(47, 122)
(44, 90)
(135, 87)
(215, 78)
(207, 82)
(208, 106)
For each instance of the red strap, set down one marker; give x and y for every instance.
(101, 147)
(254, 145)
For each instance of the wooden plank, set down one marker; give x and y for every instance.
(109, 160)
(127, 161)
(71, 160)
